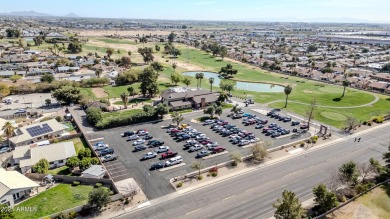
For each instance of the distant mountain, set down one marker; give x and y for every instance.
(71, 15)
(26, 13)
(320, 20)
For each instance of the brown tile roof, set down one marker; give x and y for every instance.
(180, 103)
(168, 94)
(209, 98)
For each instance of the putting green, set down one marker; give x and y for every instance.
(334, 116)
(331, 89)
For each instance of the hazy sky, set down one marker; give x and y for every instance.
(368, 10)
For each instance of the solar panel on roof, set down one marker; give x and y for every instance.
(39, 130)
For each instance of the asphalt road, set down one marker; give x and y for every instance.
(156, 183)
(251, 195)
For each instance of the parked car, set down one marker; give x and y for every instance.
(100, 146)
(157, 166)
(208, 122)
(20, 111)
(138, 142)
(237, 116)
(149, 155)
(196, 147)
(218, 149)
(259, 126)
(168, 154)
(183, 137)
(304, 126)
(127, 133)
(202, 153)
(162, 149)
(191, 142)
(174, 161)
(4, 150)
(105, 152)
(132, 137)
(142, 133)
(246, 114)
(147, 137)
(139, 148)
(109, 157)
(155, 143)
(287, 119)
(212, 145)
(294, 123)
(244, 142)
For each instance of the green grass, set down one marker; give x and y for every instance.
(64, 170)
(378, 201)
(59, 198)
(79, 143)
(227, 106)
(70, 126)
(135, 100)
(115, 41)
(122, 113)
(333, 116)
(87, 91)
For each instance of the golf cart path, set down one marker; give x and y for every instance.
(331, 107)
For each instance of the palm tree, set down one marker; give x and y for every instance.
(345, 85)
(211, 81)
(178, 118)
(125, 99)
(287, 91)
(201, 75)
(8, 131)
(197, 79)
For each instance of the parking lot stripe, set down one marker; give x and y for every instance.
(215, 155)
(117, 171)
(119, 176)
(96, 139)
(171, 167)
(253, 144)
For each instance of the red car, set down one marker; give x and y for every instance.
(141, 130)
(304, 126)
(205, 142)
(175, 130)
(168, 154)
(218, 149)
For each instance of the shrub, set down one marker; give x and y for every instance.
(369, 123)
(213, 170)
(112, 122)
(55, 140)
(76, 183)
(200, 177)
(302, 144)
(98, 185)
(72, 215)
(126, 202)
(378, 119)
(180, 184)
(58, 118)
(94, 115)
(365, 123)
(214, 174)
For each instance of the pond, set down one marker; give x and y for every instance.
(240, 85)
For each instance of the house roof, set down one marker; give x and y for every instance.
(52, 152)
(169, 94)
(180, 103)
(25, 136)
(209, 98)
(379, 85)
(14, 180)
(95, 170)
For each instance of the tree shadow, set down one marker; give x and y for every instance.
(218, 60)
(388, 99)
(337, 99)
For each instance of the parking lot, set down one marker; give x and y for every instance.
(156, 183)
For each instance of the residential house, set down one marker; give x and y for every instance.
(95, 171)
(184, 98)
(381, 77)
(37, 132)
(56, 154)
(14, 187)
(6, 74)
(378, 86)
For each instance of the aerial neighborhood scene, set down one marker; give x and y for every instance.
(195, 109)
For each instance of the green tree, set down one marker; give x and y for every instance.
(386, 157)
(228, 71)
(175, 78)
(157, 48)
(345, 85)
(210, 110)
(148, 79)
(325, 200)
(171, 37)
(42, 166)
(157, 67)
(94, 161)
(211, 81)
(143, 40)
(72, 162)
(6, 212)
(349, 173)
(312, 48)
(67, 94)
(222, 97)
(99, 197)
(8, 131)
(75, 47)
(125, 99)
(223, 52)
(162, 109)
(288, 207)
(98, 72)
(48, 102)
(94, 115)
(4, 90)
(85, 163)
(125, 62)
(147, 54)
(201, 76)
(227, 85)
(259, 152)
(186, 81)
(15, 78)
(48, 78)
(109, 52)
(131, 90)
(177, 118)
(287, 91)
(218, 110)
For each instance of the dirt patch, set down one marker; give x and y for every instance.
(353, 211)
(99, 92)
(90, 33)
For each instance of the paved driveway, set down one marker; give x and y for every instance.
(156, 183)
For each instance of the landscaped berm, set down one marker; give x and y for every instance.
(56, 199)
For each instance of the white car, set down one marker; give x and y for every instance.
(149, 155)
(212, 145)
(244, 142)
(141, 133)
(20, 111)
(138, 142)
(100, 146)
(109, 157)
(192, 142)
(162, 149)
(233, 136)
(254, 140)
(133, 137)
(196, 147)
(173, 161)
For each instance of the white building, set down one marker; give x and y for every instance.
(56, 154)
(14, 186)
(95, 171)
